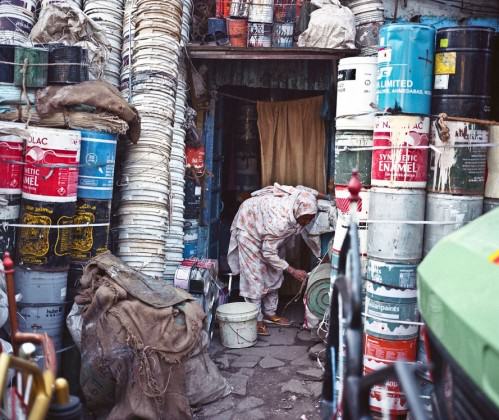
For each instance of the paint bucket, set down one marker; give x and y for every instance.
(41, 287)
(356, 79)
(404, 162)
(405, 68)
(239, 8)
(448, 208)
(342, 196)
(192, 199)
(217, 28)
(15, 24)
(378, 354)
(67, 65)
(282, 35)
(11, 167)
(490, 204)
(352, 150)
(463, 65)
(261, 11)
(51, 165)
(458, 169)
(317, 293)
(259, 34)
(222, 8)
(492, 184)
(190, 238)
(36, 69)
(285, 11)
(7, 56)
(237, 323)
(392, 274)
(367, 38)
(92, 240)
(366, 11)
(238, 32)
(97, 160)
(46, 249)
(10, 207)
(182, 278)
(387, 305)
(393, 239)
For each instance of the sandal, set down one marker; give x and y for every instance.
(277, 320)
(261, 329)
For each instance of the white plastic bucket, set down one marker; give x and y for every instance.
(237, 324)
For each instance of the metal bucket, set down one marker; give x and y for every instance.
(222, 8)
(490, 204)
(492, 184)
(217, 29)
(398, 162)
(259, 34)
(392, 274)
(239, 8)
(367, 38)
(237, 30)
(366, 11)
(92, 240)
(282, 35)
(285, 11)
(11, 167)
(41, 287)
(448, 208)
(51, 165)
(458, 169)
(35, 76)
(356, 79)
(10, 207)
(463, 65)
(347, 158)
(261, 11)
(393, 240)
(97, 160)
(387, 305)
(45, 248)
(191, 237)
(405, 68)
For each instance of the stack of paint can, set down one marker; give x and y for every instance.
(49, 190)
(284, 23)
(93, 207)
(17, 18)
(260, 18)
(397, 204)
(353, 143)
(237, 23)
(459, 157)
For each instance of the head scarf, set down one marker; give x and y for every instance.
(305, 203)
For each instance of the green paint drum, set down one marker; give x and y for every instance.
(347, 157)
(392, 274)
(385, 306)
(36, 69)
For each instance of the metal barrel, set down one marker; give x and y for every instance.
(366, 11)
(34, 76)
(282, 35)
(51, 161)
(352, 149)
(11, 164)
(458, 210)
(10, 207)
(392, 274)
(222, 8)
(356, 79)
(43, 248)
(261, 11)
(405, 68)
(239, 8)
(463, 64)
(89, 241)
(490, 204)
(217, 26)
(400, 157)
(460, 166)
(387, 305)
(7, 56)
(259, 34)
(492, 183)
(97, 161)
(393, 239)
(237, 29)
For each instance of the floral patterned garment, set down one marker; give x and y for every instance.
(260, 228)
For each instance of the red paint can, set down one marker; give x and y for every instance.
(11, 167)
(400, 155)
(222, 9)
(51, 161)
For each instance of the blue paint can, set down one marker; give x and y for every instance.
(405, 68)
(97, 159)
(191, 236)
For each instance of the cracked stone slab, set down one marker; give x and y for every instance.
(317, 349)
(315, 388)
(223, 362)
(248, 361)
(246, 371)
(270, 363)
(214, 409)
(302, 361)
(249, 403)
(286, 353)
(312, 373)
(239, 384)
(308, 336)
(255, 414)
(280, 336)
(295, 387)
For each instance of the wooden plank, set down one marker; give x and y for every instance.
(210, 52)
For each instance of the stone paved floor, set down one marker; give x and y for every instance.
(275, 379)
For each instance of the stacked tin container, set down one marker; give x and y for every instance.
(397, 204)
(17, 18)
(458, 161)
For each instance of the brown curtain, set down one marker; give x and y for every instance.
(293, 140)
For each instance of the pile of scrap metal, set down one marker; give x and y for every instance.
(144, 354)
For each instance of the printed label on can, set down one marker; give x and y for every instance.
(51, 165)
(11, 166)
(445, 63)
(441, 81)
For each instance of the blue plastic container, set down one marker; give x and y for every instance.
(97, 159)
(405, 68)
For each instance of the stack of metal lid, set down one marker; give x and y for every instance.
(126, 50)
(147, 225)
(76, 3)
(16, 21)
(175, 241)
(109, 15)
